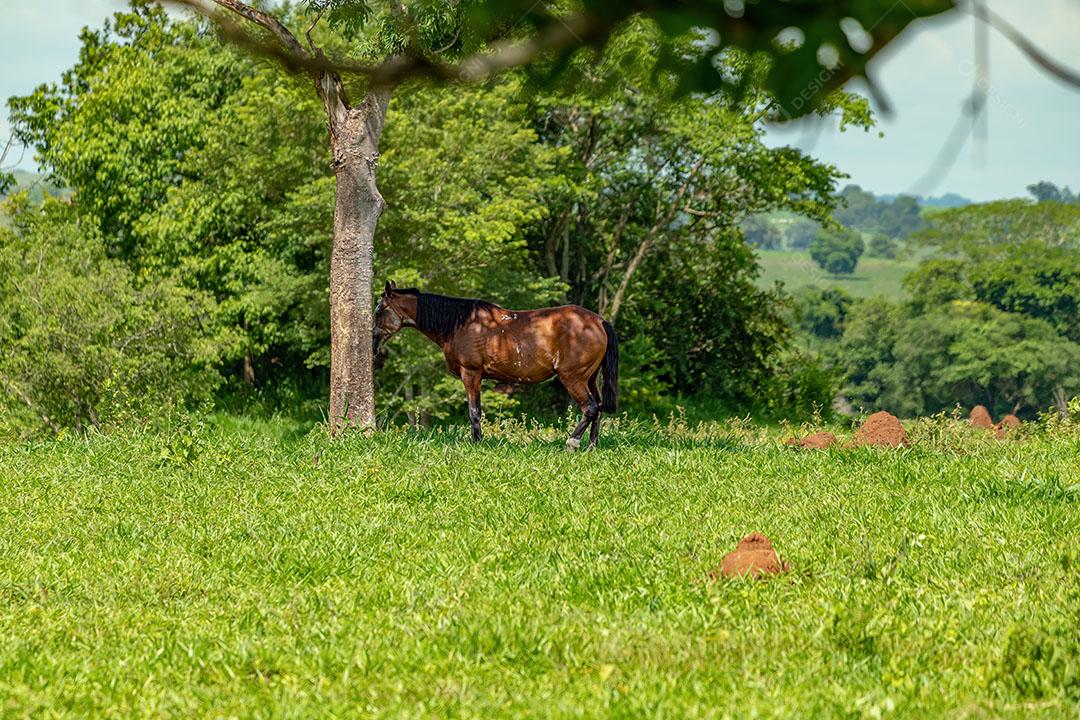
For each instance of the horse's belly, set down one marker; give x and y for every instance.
(519, 376)
(517, 366)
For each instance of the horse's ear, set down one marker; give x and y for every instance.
(388, 288)
(393, 285)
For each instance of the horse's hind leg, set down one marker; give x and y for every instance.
(590, 408)
(594, 429)
(471, 381)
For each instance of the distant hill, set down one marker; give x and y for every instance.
(37, 185)
(948, 200)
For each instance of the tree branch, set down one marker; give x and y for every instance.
(281, 33)
(650, 238)
(1025, 46)
(563, 34)
(311, 28)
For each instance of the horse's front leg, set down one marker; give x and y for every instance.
(471, 379)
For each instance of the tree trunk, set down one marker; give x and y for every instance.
(354, 133)
(1061, 402)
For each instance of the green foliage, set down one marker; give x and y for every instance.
(221, 163)
(123, 155)
(799, 387)
(1024, 277)
(973, 228)
(82, 342)
(822, 311)
(936, 282)
(963, 353)
(810, 53)
(649, 219)
(881, 246)
(865, 353)
(461, 196)
(761, 233)
(837, 251)
(990, 317)
(896, 218)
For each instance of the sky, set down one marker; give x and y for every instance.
(1032, 120)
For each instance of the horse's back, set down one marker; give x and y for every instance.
(572, 314)
(573, 333)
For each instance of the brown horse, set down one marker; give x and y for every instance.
(481, 340)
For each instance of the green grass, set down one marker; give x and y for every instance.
(872, 276)
(250, 572)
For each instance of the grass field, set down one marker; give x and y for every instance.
(872, 276)
(253, 571)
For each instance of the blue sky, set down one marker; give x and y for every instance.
(1033, 120)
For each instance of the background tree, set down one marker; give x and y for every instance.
(962, 353)
(761, 233)
(650, 233)
(990, 317)
(800, 232)
(822, 312)
(882, 246)
(969, 229)
(1043, 191)
(837, 251)
(251, 238)
(895, 218)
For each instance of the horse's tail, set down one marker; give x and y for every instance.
(609, 402)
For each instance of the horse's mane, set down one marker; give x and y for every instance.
(441, 314)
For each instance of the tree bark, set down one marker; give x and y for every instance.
(354, 134)
(1061, 402)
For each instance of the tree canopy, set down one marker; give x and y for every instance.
(812, 49)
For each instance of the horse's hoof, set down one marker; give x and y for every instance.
(572, 444)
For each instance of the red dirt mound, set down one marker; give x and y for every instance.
(1009, 422)
(980, 418)
(881, 429)
(817, 441)
(754, 557)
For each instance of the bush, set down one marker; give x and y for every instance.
(882, 246)
(800, 387)
(80, 343)
(822, 311)
(837, 251)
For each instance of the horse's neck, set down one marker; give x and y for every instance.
(432, 335)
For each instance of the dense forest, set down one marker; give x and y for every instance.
(989, 315)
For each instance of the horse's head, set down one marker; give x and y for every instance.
(395, 309)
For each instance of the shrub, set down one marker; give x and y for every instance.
(81, 344)
(837, 251)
